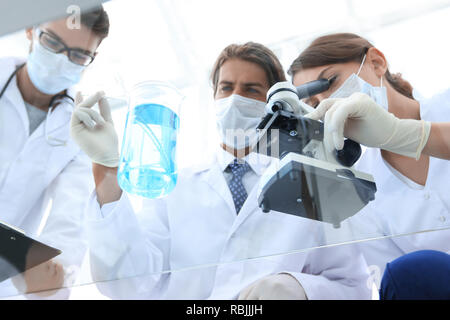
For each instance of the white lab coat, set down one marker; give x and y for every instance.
(34, 175)
(196, 225)
(404, 207)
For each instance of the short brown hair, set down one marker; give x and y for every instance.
(342, 48)
(97, 21)
(251, 52)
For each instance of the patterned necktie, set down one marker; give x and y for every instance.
(236, 186)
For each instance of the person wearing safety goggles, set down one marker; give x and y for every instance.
(382, 111)
(44, 176)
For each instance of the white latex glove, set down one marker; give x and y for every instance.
(275, 287)
(362, 120)
(94, 132)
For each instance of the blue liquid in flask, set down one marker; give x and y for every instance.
(148, 166)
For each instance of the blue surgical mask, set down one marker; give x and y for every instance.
(355, 84)
(50, 72)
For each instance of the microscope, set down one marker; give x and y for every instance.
(312, 179)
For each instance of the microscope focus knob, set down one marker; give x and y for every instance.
(350, 154)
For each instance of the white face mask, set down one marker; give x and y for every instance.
(50, 72)
(355, 84)
(237, 119)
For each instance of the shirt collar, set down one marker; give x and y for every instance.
(258, 162)
(9, 65)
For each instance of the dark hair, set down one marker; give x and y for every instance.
(342, 48)
(251, 52)
(97, 21)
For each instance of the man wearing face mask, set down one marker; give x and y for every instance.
(44, 176)
(212, 217)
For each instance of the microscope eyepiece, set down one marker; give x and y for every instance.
(312, 88)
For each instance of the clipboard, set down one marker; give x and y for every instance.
(19, 253)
